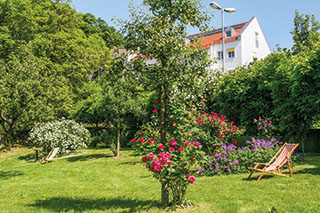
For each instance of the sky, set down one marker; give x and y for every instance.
(275, 16)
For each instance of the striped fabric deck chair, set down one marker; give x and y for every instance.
(273, 166)
(52, 154)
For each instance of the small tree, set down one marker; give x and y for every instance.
(179, 69)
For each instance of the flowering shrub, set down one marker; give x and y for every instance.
(209, 128)
(264, 127)
(231, 159)
(173, 163)
(190, 136)
(65, 134)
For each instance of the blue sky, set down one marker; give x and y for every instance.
(275, 16)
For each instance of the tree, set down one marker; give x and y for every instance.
(159, 34)
(120, 95)
(48, 34)
(305, 32)
(93, 25)
(29, 92)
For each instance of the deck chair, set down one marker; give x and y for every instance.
(52, 154)
(273, 166)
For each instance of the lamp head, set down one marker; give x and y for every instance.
(229, 10)
(214, 5)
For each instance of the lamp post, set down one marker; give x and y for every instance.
(214, 5)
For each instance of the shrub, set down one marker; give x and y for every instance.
(231, 159)
(190, 136)
(65, 134)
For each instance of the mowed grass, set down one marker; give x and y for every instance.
(93, 181)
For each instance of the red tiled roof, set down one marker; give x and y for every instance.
(215, 36)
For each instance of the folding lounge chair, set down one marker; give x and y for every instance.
(273, 167)
(52, 154)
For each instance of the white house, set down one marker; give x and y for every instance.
(243, 43)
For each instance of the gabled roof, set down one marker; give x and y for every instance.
(215, 36)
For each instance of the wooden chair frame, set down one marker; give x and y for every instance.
(50, 153)
(276, 170)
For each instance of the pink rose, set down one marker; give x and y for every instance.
(169, 163)
(149, 142)
(154, 111)
(133, 140)
(157, 168)
(171, 149)
(164, 160)
(155, 162)
(192, 179)
(186, 143)
(161, 155)
(180, 149)
(196, 144)
(161, 146)
(168, 155)
(173, 143)
(140, 140)
(188, 175)
(151, 156)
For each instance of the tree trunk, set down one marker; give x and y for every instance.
(164, 195)
(118, 135)
(162, 115)
(164, 186)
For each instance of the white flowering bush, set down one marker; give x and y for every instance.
(68, 135)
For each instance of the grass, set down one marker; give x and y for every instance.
(93, 181)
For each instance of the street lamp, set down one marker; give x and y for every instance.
(216, 6)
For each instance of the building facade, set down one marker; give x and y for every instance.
(244, 42)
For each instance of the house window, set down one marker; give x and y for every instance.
(228, 34)
(257, 40)
(220, 55)
(231, 54)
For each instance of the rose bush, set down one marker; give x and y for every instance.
(190, 136)
(264, 127)
(209, 128)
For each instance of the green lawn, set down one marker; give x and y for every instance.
(95, 182)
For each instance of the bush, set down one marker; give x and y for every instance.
(231, 159)
(65, 134)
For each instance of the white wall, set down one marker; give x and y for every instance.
(229, 63)
(248, 38)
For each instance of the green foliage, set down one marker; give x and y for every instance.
(43, 41)
(98, 26)
(177, 69)
(28, 93)
(282, 88)
(65, 134)
(305, 32)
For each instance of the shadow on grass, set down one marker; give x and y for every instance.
(312, 171)
(313, 161)
(130, 163)
(255, 177)
(4, 175)
(64, 204)
(87, 157)
(29, 158)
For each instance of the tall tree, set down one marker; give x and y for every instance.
(157, 32)
(305, 32)
(44, 36)
(109, 34)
